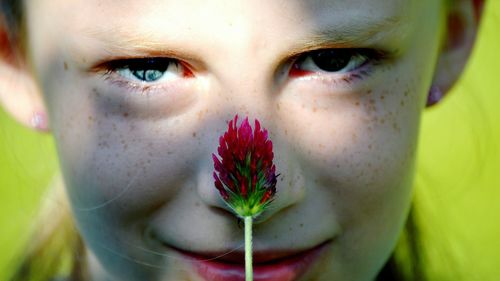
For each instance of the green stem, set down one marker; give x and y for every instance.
(248, 249)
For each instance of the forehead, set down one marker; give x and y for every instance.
(240, 24)
(202, 15)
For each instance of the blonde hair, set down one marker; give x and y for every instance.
(55, 248)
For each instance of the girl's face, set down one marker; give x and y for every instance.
(138, 93)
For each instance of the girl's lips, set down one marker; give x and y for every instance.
(268, 265)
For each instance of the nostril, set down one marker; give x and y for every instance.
(224, 212)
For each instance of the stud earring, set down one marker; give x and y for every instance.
(39, 122)
(434, 96)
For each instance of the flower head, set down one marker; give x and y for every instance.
(246, 176)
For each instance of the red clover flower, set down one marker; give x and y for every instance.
(246, 177)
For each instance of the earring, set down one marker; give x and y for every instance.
(478, 9)
(435, 95)
(39, 122)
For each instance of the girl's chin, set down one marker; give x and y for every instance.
(289, 265)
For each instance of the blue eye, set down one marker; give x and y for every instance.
(148, 69)
(332, 61)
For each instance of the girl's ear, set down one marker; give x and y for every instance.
(19, 93)
(462, 22)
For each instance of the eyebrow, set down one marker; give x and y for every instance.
(119, 39)
(349, 35)
(117, 43)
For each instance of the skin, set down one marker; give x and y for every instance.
(136, 157)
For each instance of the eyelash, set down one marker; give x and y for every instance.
(349, 64)
(124, 72)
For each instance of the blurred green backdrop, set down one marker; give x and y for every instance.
(457, 183)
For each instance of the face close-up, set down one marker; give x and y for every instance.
(138, 93)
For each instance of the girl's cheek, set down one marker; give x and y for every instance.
(118, 148)
(356, 136)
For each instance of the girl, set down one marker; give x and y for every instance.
(136, 95)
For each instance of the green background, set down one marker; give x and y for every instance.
(457, 182)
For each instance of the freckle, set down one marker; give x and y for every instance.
(278, 106)
(301, 225)
(357, 103)
(94, 90)
(372, 101)
(369, 92)
(65, 66)
(194, 134)
(406, 93)
(286, 132)
(396, 127)
(402, 103)
(382, 120)
(200, 114)
(314, 109)
(369, 146)
(169, 152)
(382, 97)
(125, 114)
(290, 228)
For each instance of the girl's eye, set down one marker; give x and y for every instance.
(148, 69)
(331, 61)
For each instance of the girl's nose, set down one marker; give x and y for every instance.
(290, 184)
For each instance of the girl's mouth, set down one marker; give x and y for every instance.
(288, 265)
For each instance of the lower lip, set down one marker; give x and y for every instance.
(289, 269)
